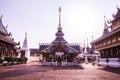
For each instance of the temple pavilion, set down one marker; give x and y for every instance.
(109, 43)
(8, 47)
(59, 50)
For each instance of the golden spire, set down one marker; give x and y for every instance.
(59, 26)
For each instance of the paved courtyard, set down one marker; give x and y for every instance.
(33, 71)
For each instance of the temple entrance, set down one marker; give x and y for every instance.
(59, 58)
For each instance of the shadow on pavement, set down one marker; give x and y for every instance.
(111, 69)
(61, 67)
(18, 72)
(22, 70)
(67, 68)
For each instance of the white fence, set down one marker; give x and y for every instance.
(32, 58)
(111, 62)
(62, 64)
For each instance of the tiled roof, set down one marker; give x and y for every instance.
(73, 49)
(105, 32)
(118, 13)
(4, 34)
(42, 47)
(6, 39)
(60, 42)
(107, 35)
(59, 33)
(77, 47)
(70, 49)
(2, 28)
(32, 51)
(59, 39)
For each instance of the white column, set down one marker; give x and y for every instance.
(86, 59)
(96, 59)
(19, 55)
(44, 59)
(27, 54)
(56, 63)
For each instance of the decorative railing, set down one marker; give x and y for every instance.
(111, 62)
(62, 63)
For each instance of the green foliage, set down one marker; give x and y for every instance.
(19, 60)
(1, 60)
(15, 59)
(89, 59)
(70, 60)
(48, 59)
(9, 59)
(24, 59)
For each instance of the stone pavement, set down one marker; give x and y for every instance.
(33, 71)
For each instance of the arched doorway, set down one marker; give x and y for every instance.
(59, 57)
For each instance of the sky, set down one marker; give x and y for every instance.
(80, 19)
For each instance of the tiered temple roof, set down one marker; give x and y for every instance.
(34, 51)
(4, 36)
(115, 27)
(60, 42)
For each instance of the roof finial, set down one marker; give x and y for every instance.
(92, 38)
(105, 25)
(25, 34)
(84, 44)
(117, 7)
(59, 26)
(1, 16)
(87, 43)
(6, 26)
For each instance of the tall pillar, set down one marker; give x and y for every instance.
(111, 53)
(117, 52)
(96, 60)
(107, 58)
(86, 59)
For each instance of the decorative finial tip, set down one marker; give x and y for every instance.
(104, 17)
(92, 37)
(26, 34)
(105, 25)
(1, 16)
(59, 9)
(117, 7)
(6, 26)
